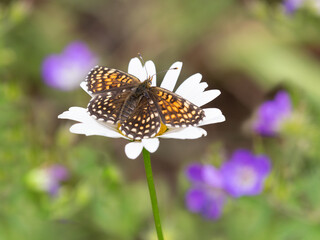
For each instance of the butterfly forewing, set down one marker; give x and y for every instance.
(101, 79)
(144, 122)
(176, 111)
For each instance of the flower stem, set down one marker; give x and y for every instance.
(152, 191)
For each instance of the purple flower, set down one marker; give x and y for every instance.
(56, 174)
(208, 203)
(272, 114)
(67, 70)
(48, 179)
(245, 173)
(205, 196)
(290, 6)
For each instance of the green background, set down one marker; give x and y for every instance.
(247, 49)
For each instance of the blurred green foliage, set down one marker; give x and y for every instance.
(247, 49)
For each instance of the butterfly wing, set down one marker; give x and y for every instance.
(143, 122)
(107, 106)
(175, 111)
(101, 79)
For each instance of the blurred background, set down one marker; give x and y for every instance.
(58, 185)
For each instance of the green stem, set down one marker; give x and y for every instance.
(152, 191)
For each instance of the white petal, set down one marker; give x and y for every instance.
(83, 85)
(171, 77)
(90, 129)
(193, 90)
(76, 114)
(135, 68)
(88, 125)
(133, 149)
(151, 69)
(213, 115)
(185, 133)
(189, 85)
(206, 97)
(201, 98)
(151, 144)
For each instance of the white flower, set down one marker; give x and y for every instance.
(191, 89)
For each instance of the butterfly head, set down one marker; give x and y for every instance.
(149, 79)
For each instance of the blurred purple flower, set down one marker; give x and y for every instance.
(67, 70)
(205, 196)
(291, 6)
(272, 114)
(245, 173)
(56, 175)
(208, 203)
(48, 179)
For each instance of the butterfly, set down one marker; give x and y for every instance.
(138, 108)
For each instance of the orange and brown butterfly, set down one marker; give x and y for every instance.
(139, 109)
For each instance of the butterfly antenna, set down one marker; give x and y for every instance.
(175, 68)
(144, 64)
(142, 61)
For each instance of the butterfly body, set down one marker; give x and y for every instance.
(138, 107)
(132, 101)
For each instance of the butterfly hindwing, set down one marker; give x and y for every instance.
(144, 122)
(101, 79)
(176, 111)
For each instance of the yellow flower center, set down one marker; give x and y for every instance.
(163, 129)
